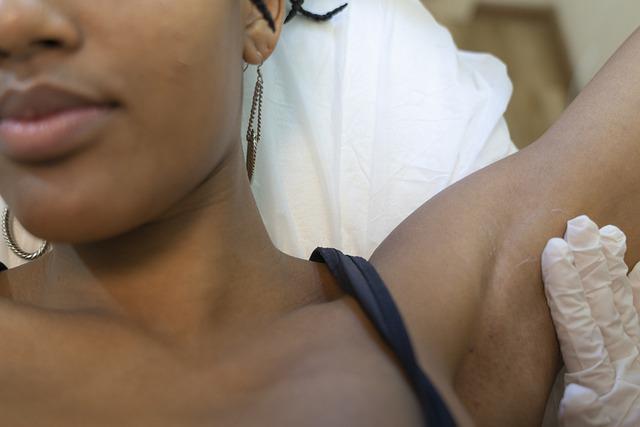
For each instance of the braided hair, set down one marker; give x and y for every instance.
(296, 9)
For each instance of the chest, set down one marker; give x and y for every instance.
(335, 398)
(333, 370)
(322, 366)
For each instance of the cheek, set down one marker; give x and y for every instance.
(180, 85)
(182, 114)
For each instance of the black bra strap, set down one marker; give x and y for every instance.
(2, 267)
(359, 279)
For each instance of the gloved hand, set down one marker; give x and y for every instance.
(592, 304)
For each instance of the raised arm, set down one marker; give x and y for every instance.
(465, 267)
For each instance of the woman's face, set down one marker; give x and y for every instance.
(174, 69)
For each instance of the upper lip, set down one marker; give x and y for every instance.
(42, 100)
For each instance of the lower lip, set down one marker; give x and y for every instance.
(51, 136)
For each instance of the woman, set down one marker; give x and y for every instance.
(176, 289)
(326, 173)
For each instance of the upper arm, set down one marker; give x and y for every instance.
(465, 268)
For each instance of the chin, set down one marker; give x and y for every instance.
(72, 224)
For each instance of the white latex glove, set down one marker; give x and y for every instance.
(592, 304)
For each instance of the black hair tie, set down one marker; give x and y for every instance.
(296, 8)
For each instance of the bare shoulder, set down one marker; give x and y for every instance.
(87, 366)
(434, 265)
(464, 270)
(438, 264)
(75, 359)
(341, 373)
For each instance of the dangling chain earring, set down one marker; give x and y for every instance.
(254, 132)
(13, 245)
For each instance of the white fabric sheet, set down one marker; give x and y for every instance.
(365, 118)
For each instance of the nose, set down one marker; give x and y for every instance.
(28, 27)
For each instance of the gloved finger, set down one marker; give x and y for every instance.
(634, 279)
(580, 339)
(583, 237)
(614, 245)
(580, 407)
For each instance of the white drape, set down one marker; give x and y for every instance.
(366, 117)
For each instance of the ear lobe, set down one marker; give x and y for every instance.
(260, 39)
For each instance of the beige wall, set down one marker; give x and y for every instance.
(592, 29)
(451, 10)
(529, 3)
(460, 10)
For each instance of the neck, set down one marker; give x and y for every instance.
(206, 261)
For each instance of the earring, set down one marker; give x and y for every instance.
(254, 132)
(13, 245)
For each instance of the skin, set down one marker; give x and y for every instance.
(164, 302)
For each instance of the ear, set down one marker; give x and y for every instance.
(260, 40)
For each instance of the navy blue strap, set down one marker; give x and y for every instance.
(358, 278)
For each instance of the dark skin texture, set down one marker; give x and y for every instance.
(164, 302)
(484, 237)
